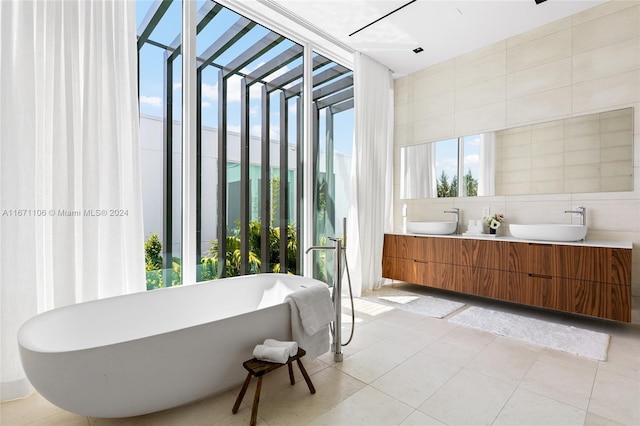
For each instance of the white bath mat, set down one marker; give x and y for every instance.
(578, 341)
(412, 302)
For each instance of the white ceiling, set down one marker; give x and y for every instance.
(443, 28)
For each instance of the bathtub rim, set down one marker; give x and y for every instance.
(27, 343)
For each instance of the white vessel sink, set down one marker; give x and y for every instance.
(549, 232)
(432, 228)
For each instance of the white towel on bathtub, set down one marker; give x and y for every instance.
(292, 347)
(278, 354)
(316, 343)
(314, 306)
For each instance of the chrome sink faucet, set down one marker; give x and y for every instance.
(582, 211)
(455, 211)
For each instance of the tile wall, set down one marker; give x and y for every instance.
(586, 63)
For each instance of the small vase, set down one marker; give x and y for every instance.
(492, 231)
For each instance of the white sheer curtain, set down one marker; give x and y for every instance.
(71, 225)
(371, 184)
(418, 171)
(486, 178)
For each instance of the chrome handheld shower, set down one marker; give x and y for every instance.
(339, 247)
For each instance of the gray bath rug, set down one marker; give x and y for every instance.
(412, 302)
(578, 341)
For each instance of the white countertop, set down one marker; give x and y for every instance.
(587, 243)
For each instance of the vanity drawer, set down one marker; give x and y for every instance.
(532, 258)
(537, 290)
(604, 300)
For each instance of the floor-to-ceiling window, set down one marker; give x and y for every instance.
(249, 144)
(160, 97)
(332, 145)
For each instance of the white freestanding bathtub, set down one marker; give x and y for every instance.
(144, 352)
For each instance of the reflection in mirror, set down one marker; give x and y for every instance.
(432, 170)
(470, 165)
(592, 153)
(447, 167)
(418, 163)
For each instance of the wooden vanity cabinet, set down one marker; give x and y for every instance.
(487, 262)
(400, 269)
(620, 266)
(593, 281)
(536, 290)
(530, 258)
(532, 276)
(597, 280)
(398, 246)
(582, 263)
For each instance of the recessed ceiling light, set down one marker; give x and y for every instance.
(418, 50)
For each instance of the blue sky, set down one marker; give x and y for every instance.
(447, 156)
(152, 75)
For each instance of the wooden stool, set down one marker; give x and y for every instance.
(258, 368)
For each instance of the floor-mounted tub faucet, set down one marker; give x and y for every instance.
(455, 211)
(336, 345)
(582, 211)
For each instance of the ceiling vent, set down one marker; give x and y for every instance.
(382, 17)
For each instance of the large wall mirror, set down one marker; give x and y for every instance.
(591, 153)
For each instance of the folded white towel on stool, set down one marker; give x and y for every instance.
(292, 347)
(271, 353)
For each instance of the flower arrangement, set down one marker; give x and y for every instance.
(493, 221)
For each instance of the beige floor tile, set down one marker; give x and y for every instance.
(416, 338)
(564, 377)
(468, 398)
(623, 357)
(460, 345)
(418, 418)
(126, 421)
(241, 418)
(451, 353)
(361, 340)
(469, 338)
(200, 413)
(327, 358)
(435, 327)
(346, 326)
(505, 359)
(30, 409)
(295, 405)
(528, 408)
(402, 319)
(58, 419)
(416, 379)
(595, 420)
(366, 407)
(391, 323)
(367, 310)
(374, 361)
(380, 328)
(616, 397)
(312, 365)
